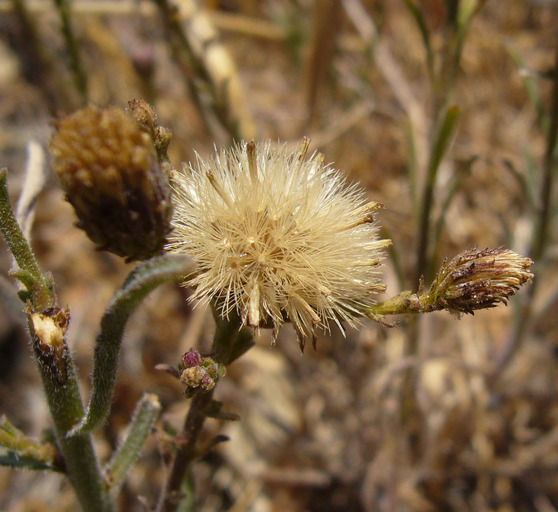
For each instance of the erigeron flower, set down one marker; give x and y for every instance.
(277, 237)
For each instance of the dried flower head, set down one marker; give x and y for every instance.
(109, 170)
(479, 279)
(277, 237)
(146, 118)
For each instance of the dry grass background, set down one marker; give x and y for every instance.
(322, 431)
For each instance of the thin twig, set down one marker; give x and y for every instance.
(229, 343)
(186, 453)
(73, 47)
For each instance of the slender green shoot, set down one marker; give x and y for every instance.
(23, 451)
(462, 172)
(73, 47)
(145, 415)
(39, 288)
(440, 146)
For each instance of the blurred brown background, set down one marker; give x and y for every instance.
(323, 431)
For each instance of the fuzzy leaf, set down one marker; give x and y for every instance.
(40, 292)
(142, 280)
(147, 411)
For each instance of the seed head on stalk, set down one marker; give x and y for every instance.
(277, 237)
(109, 169)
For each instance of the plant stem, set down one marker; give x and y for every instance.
(142, 280)
(47, 325)
(187, 450)
(541, 237)
(441, 141)
(66, 408)
(229, 343)
(72, 45)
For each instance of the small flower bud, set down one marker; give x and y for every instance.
(215, 370)
(191, 377)
(199, 372)
(207, 383)
(190, 358)
(478, 279)
(109, 170)
(146, 117)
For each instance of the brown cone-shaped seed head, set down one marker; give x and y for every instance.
(109, 170)
(479, 279)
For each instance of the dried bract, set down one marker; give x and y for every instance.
(146, 117)
(478, 279)
(277, 237)
(109, 170)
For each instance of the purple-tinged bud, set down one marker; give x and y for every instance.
(207, 383)
(190, 358)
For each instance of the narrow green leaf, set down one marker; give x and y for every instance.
(41, 293)
(24, 450)
(441, 143)
(24, 277)
(463, 171)
(214, 410)
(467, 9)
(529, 83)
(12, 233)
(224, 416)
(143, 279)
(12, 459)
(187, 496)
(72, 47)
(145, 415)
(542, 235)
(423, 29)
(412, 165)
(508, 233)
(527, 183)
(218, 439)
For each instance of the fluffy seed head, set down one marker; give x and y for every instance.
(277, 237)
